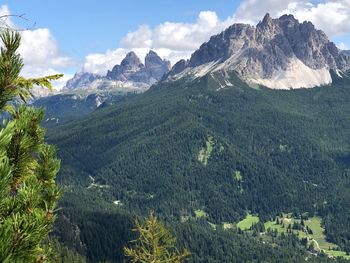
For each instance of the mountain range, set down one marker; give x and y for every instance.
(229, 134)
(277, 53)
(131, 73)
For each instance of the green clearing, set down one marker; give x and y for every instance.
(213, 226)
(335, 253)
(318, 233)
(227, 225)
(204, 153)
(282, 148)
(238, 176)
(247, 222)
(200, 213)
(314, 223)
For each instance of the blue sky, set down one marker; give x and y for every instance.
(93, 36)
(83, 27)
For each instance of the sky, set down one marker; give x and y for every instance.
(93, 36)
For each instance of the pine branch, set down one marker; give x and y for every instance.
(155, 244)
(28, 166)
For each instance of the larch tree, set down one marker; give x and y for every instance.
(155, 244)
(28, 165)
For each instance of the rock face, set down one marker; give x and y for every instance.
(131, 69)
(155, 66)
(81, 79)
(130, 73)
(179, 67)
(278, 53)
(346, 52)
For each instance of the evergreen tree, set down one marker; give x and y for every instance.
(28, 166)
(155, 244)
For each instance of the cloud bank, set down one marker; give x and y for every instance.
(40, 52)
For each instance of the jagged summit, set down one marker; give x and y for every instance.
(131, 72)
(128, 69)
(131, 69)
(278, 53)
(131, 60)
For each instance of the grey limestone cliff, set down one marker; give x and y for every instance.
(274, 53)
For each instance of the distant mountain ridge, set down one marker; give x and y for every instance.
(278, 53)
(81, 79)
(130, 73)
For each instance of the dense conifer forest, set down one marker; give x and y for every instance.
(200, 155)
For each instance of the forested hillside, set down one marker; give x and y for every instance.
(203, 151)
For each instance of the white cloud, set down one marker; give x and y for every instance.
(142, 37)
(176, 36)
(40, 52)
(251, 11)
(39, 48)
(331, 16)
(172, 41)
(41, 56)
(186, 36)
(342, 46)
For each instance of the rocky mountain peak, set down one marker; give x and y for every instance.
(130, 65)
(266, 22)
(155, 66)
(131, 69)
(179, 66)
(131, 60)
(152, 53)
(152, 58)
(279, 53)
